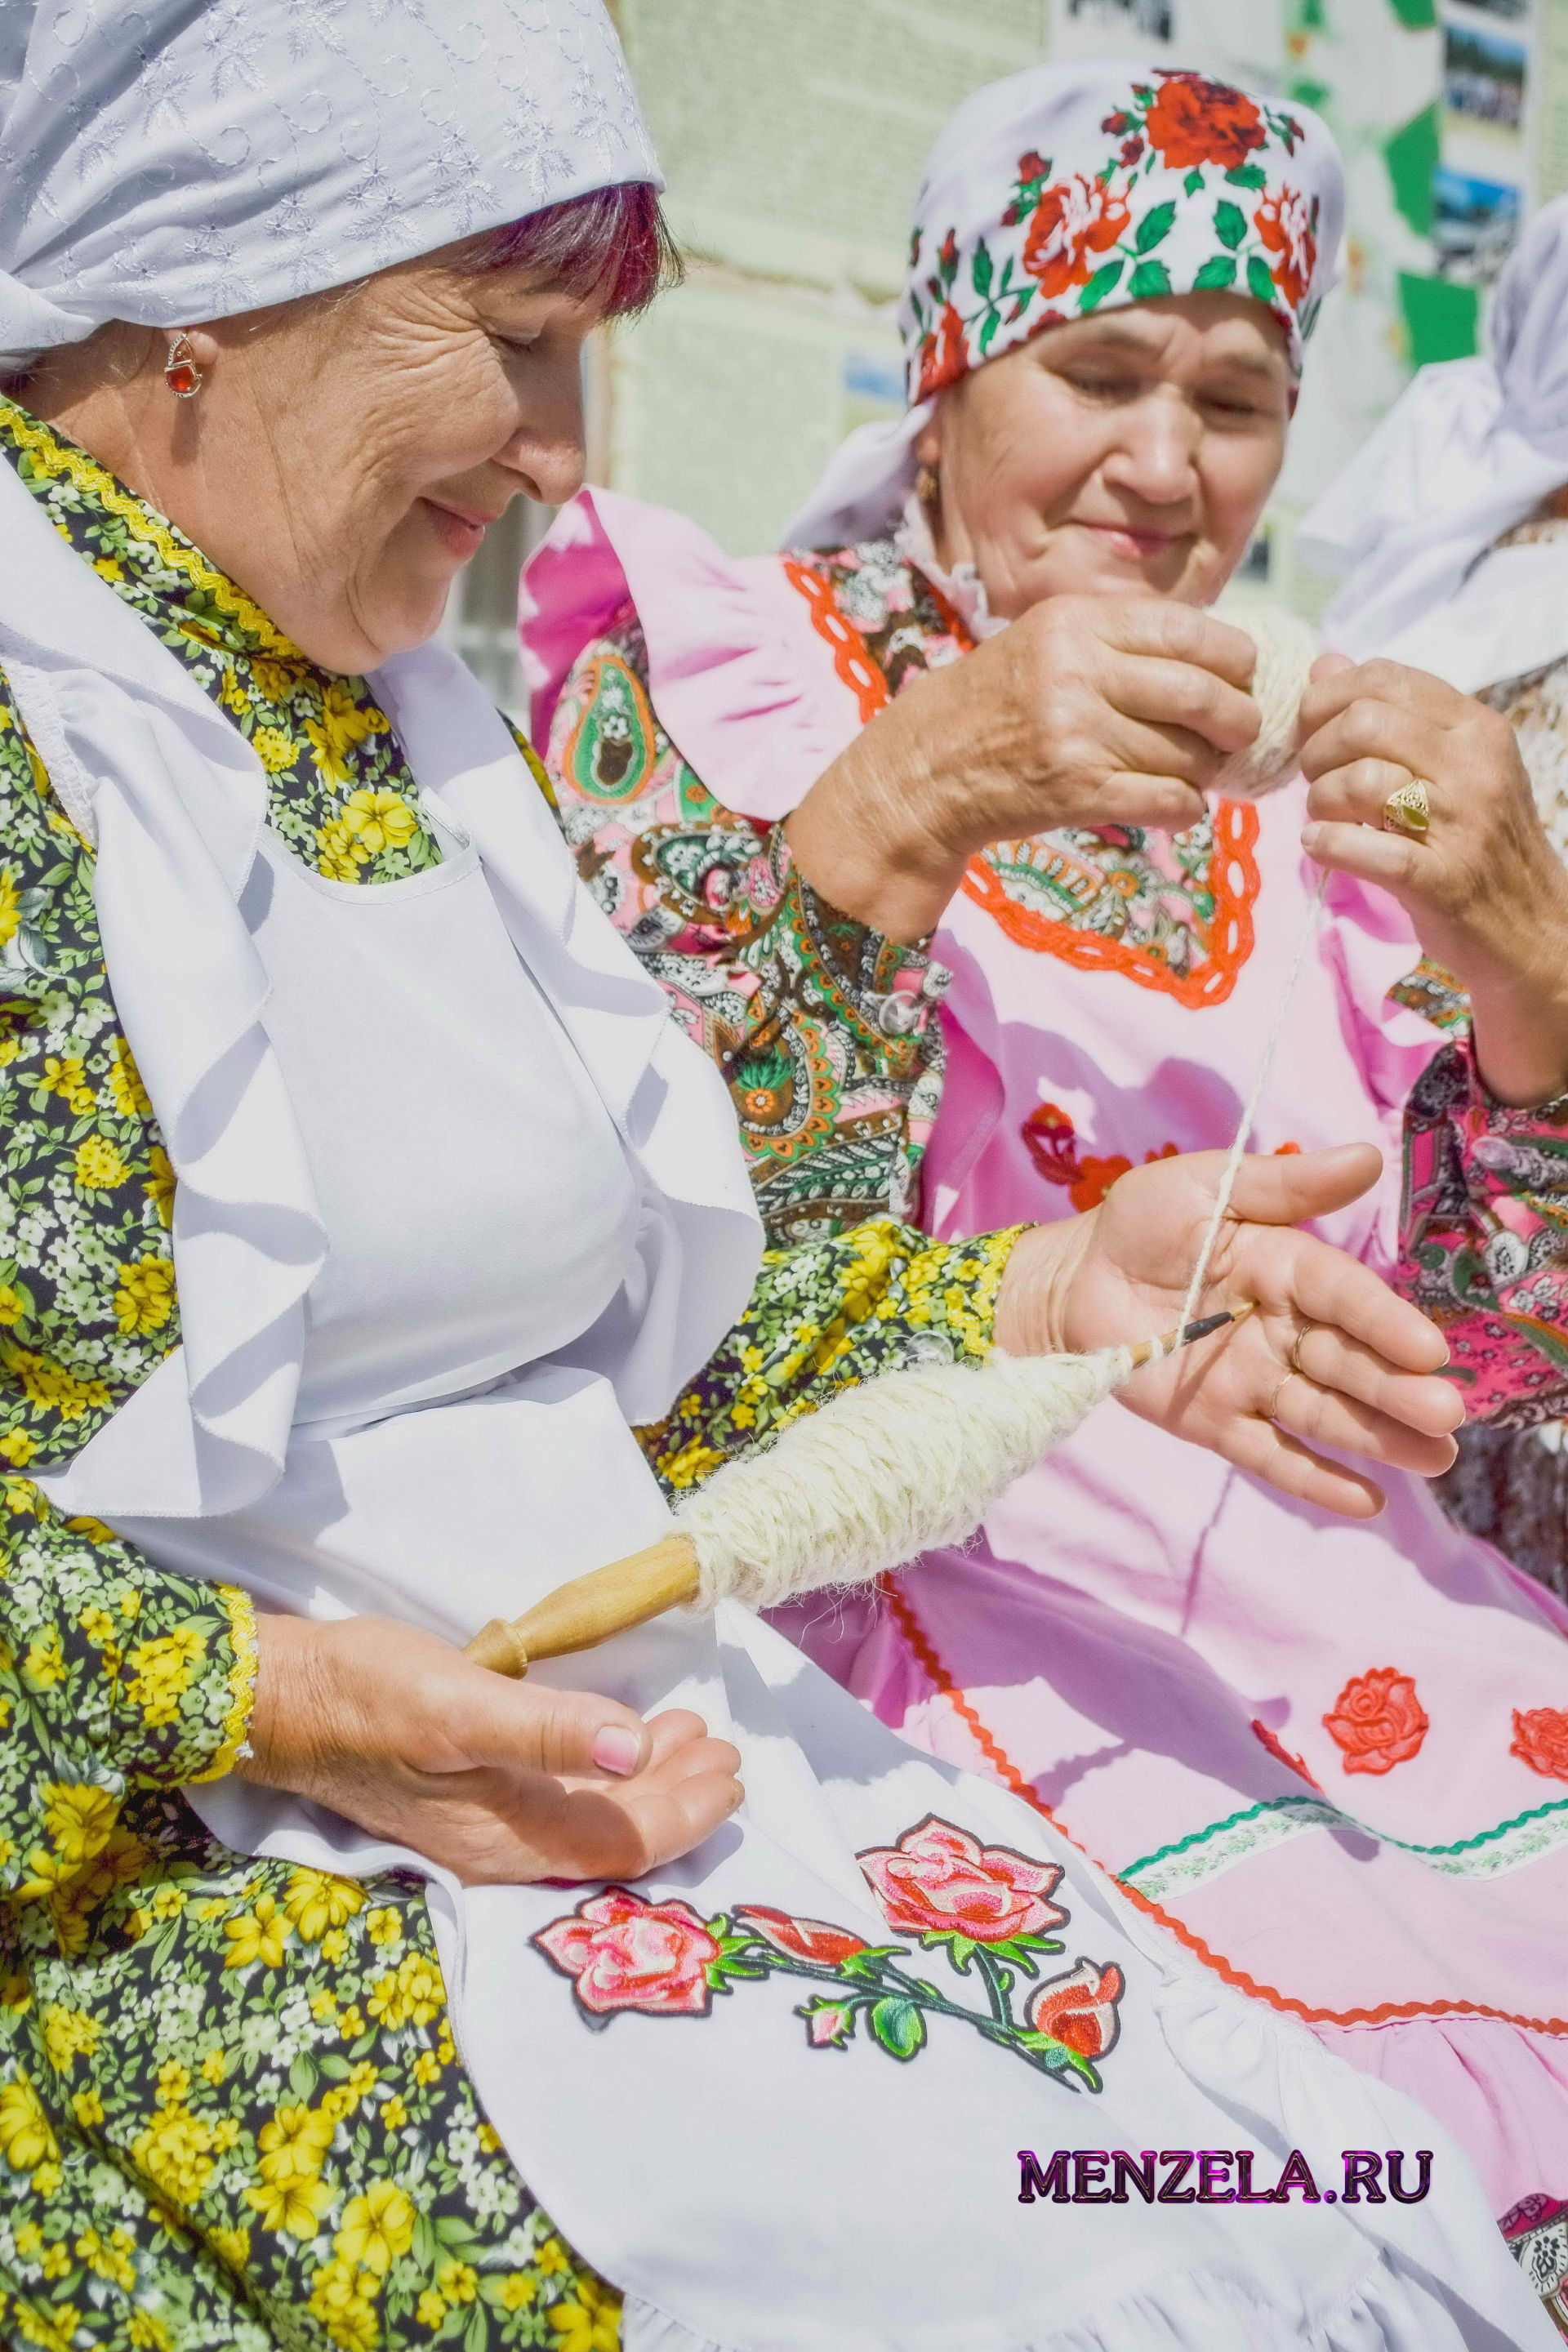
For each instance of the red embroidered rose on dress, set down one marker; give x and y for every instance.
(802, 1939)
(1194, 121)
(1076, 220)
(1079, 2009)
(1540, 1740)
(981, 1906)
(623, 1953)
(939, 1880)
(1377, 1720)
(1284, 222)
(1051, 1141)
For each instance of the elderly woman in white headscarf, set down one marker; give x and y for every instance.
(1452, 526)
(358, 1197)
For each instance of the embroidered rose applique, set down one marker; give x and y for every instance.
(987, 1907)
(1540, 1740)
(1051, 1141)
(1377, 1720)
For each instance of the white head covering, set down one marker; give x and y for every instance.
(172, 161)
(1077, 187)
(1469, 451)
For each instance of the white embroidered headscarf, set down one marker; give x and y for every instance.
(1469, 451)
(180, 160)
(1073, 188)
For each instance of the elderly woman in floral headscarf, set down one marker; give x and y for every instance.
(357, 1197)
(981, 691)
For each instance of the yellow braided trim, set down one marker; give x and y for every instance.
(241, 1613)
(55, 457)
(994, 1250)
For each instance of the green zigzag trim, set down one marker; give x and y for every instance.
(1320, 1810)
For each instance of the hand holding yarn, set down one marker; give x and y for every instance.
(1286, 651)
(1086, 710)
(1484, 888)
(1362, 1380)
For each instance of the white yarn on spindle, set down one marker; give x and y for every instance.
(1287, 648)
(889, 1469)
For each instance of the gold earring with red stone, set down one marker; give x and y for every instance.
(180, 374)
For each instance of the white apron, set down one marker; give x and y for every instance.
(456, 1202)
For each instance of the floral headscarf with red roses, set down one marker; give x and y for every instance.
(1073, 188)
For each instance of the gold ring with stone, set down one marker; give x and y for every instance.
(1408, 810)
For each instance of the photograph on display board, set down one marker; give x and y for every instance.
(1483, 79)
(1474, 223)
(1154, 20)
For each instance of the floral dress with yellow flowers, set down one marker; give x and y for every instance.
(231, 2112)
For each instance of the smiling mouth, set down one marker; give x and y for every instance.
(461, 528)
(1147, 542)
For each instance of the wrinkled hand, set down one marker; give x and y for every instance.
(1087, 710)
(494, 1779)
(1486, 891)
(1259, 1392)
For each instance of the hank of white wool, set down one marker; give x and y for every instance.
(1287, 650)
(903, 1463)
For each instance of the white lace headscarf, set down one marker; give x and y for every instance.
(1469, 451)
(1071, 188)
(170, 160)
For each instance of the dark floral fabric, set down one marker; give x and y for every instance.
(872, 1300)
(825, 1032)
(341, 792)
(231, 2110)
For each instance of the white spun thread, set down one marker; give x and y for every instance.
(1237, 1151)
(887, 1470)
(1287, 650)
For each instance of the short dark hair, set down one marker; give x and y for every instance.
(614, 243)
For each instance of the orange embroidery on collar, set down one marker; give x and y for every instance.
(851, 658)
(1226, 939)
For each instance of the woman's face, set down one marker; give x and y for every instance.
(345, 453)
(1133, 449)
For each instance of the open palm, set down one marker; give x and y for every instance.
(1328, 1356)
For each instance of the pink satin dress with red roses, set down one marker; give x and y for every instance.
(1333, 1759)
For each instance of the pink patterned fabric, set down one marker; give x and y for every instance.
(1296, 1737)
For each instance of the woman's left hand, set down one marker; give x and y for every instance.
(1485, 889)
(1329, 1354)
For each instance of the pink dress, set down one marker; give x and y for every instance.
(1331, 1758)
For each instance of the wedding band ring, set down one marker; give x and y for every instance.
(1302, 1336)
(1408, 810)
(1272, 1414)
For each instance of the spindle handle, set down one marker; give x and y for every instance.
(592, 1609)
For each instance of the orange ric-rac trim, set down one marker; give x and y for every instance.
(1008, 1773)
(1234, 881)
(851, 656)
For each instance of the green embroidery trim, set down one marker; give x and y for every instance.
(56, 457)
(241, 1613)
(1208, 1851)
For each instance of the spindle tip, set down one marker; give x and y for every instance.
(496, 1646)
